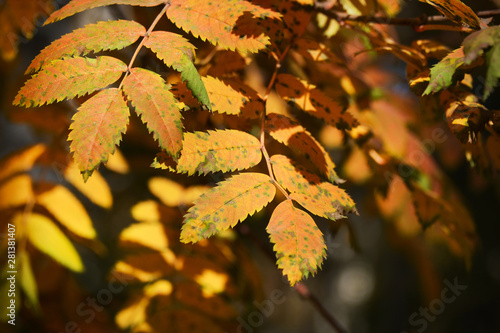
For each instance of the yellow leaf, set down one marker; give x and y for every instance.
(117, 162)
(20, 161)
(298, 243)
(49, 239)
(168, 191)
(150, 234)
(211, 282)
(27, 280)
(61, 203)
(16, 191)
(95, 189)
(146, 211)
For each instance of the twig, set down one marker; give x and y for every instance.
(416, 21)
(299, 287)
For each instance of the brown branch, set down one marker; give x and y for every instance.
(421, 20)
(299, 287)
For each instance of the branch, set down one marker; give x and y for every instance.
(299, 287)
(421, 20)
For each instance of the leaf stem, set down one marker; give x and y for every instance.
(416, 21)
(146, 36)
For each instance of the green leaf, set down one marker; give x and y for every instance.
(226, 204)
(49, 239)
(178, 53)
(68, 78)
(157, 107)
(443, 73)
(97, 127)
(108, 35)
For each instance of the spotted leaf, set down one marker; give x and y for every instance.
(68, 78)
(157, 107)
(224, 150)
(298, 243)
(97, 127)
(227, 204)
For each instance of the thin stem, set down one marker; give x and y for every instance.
(299, 287)
(417, 21)
(263, 120)
(146, 36)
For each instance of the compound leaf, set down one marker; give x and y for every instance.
(292, 134)
(96, 129)
(223, 150)
(106, 35)
(228, 23)
(299, 244)
(68, 78)
(77, 6)
(227, 204)
(40, 229)
(175, 51)
(157, 106)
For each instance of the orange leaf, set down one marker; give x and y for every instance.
(224, 150)
(77, 6)
(97, 127)
(224, 22)
(456, 11)
(68, 78)
(20, 161)
(106, 35)
(292, 134)
(299, 244)
(227, 204)
(157, 107)
(319, 197)
(313, 101)
(226, 99)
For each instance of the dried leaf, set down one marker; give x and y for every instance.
(298, 243)
(97, 127)
(101, 36)
(68, 78)
(224, 150)
(456, 11)
(313, 101)
(157, 107)
(227, 204)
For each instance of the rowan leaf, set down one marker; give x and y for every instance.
(20, 161)
(101, 36)
(27, 280)
(150, 234)
(227, 204)
(230, 24)
(223, 150)
(442, 74)
(457, 12)
(292, 134)
(49, 239)
(16, 191)
(97, 127)
(173, 194)
(178, 53)
(298, 243)
(68, 78)
(77, 6)
(157, 107)
(66, 208)
(313, 101)
(319, 197)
